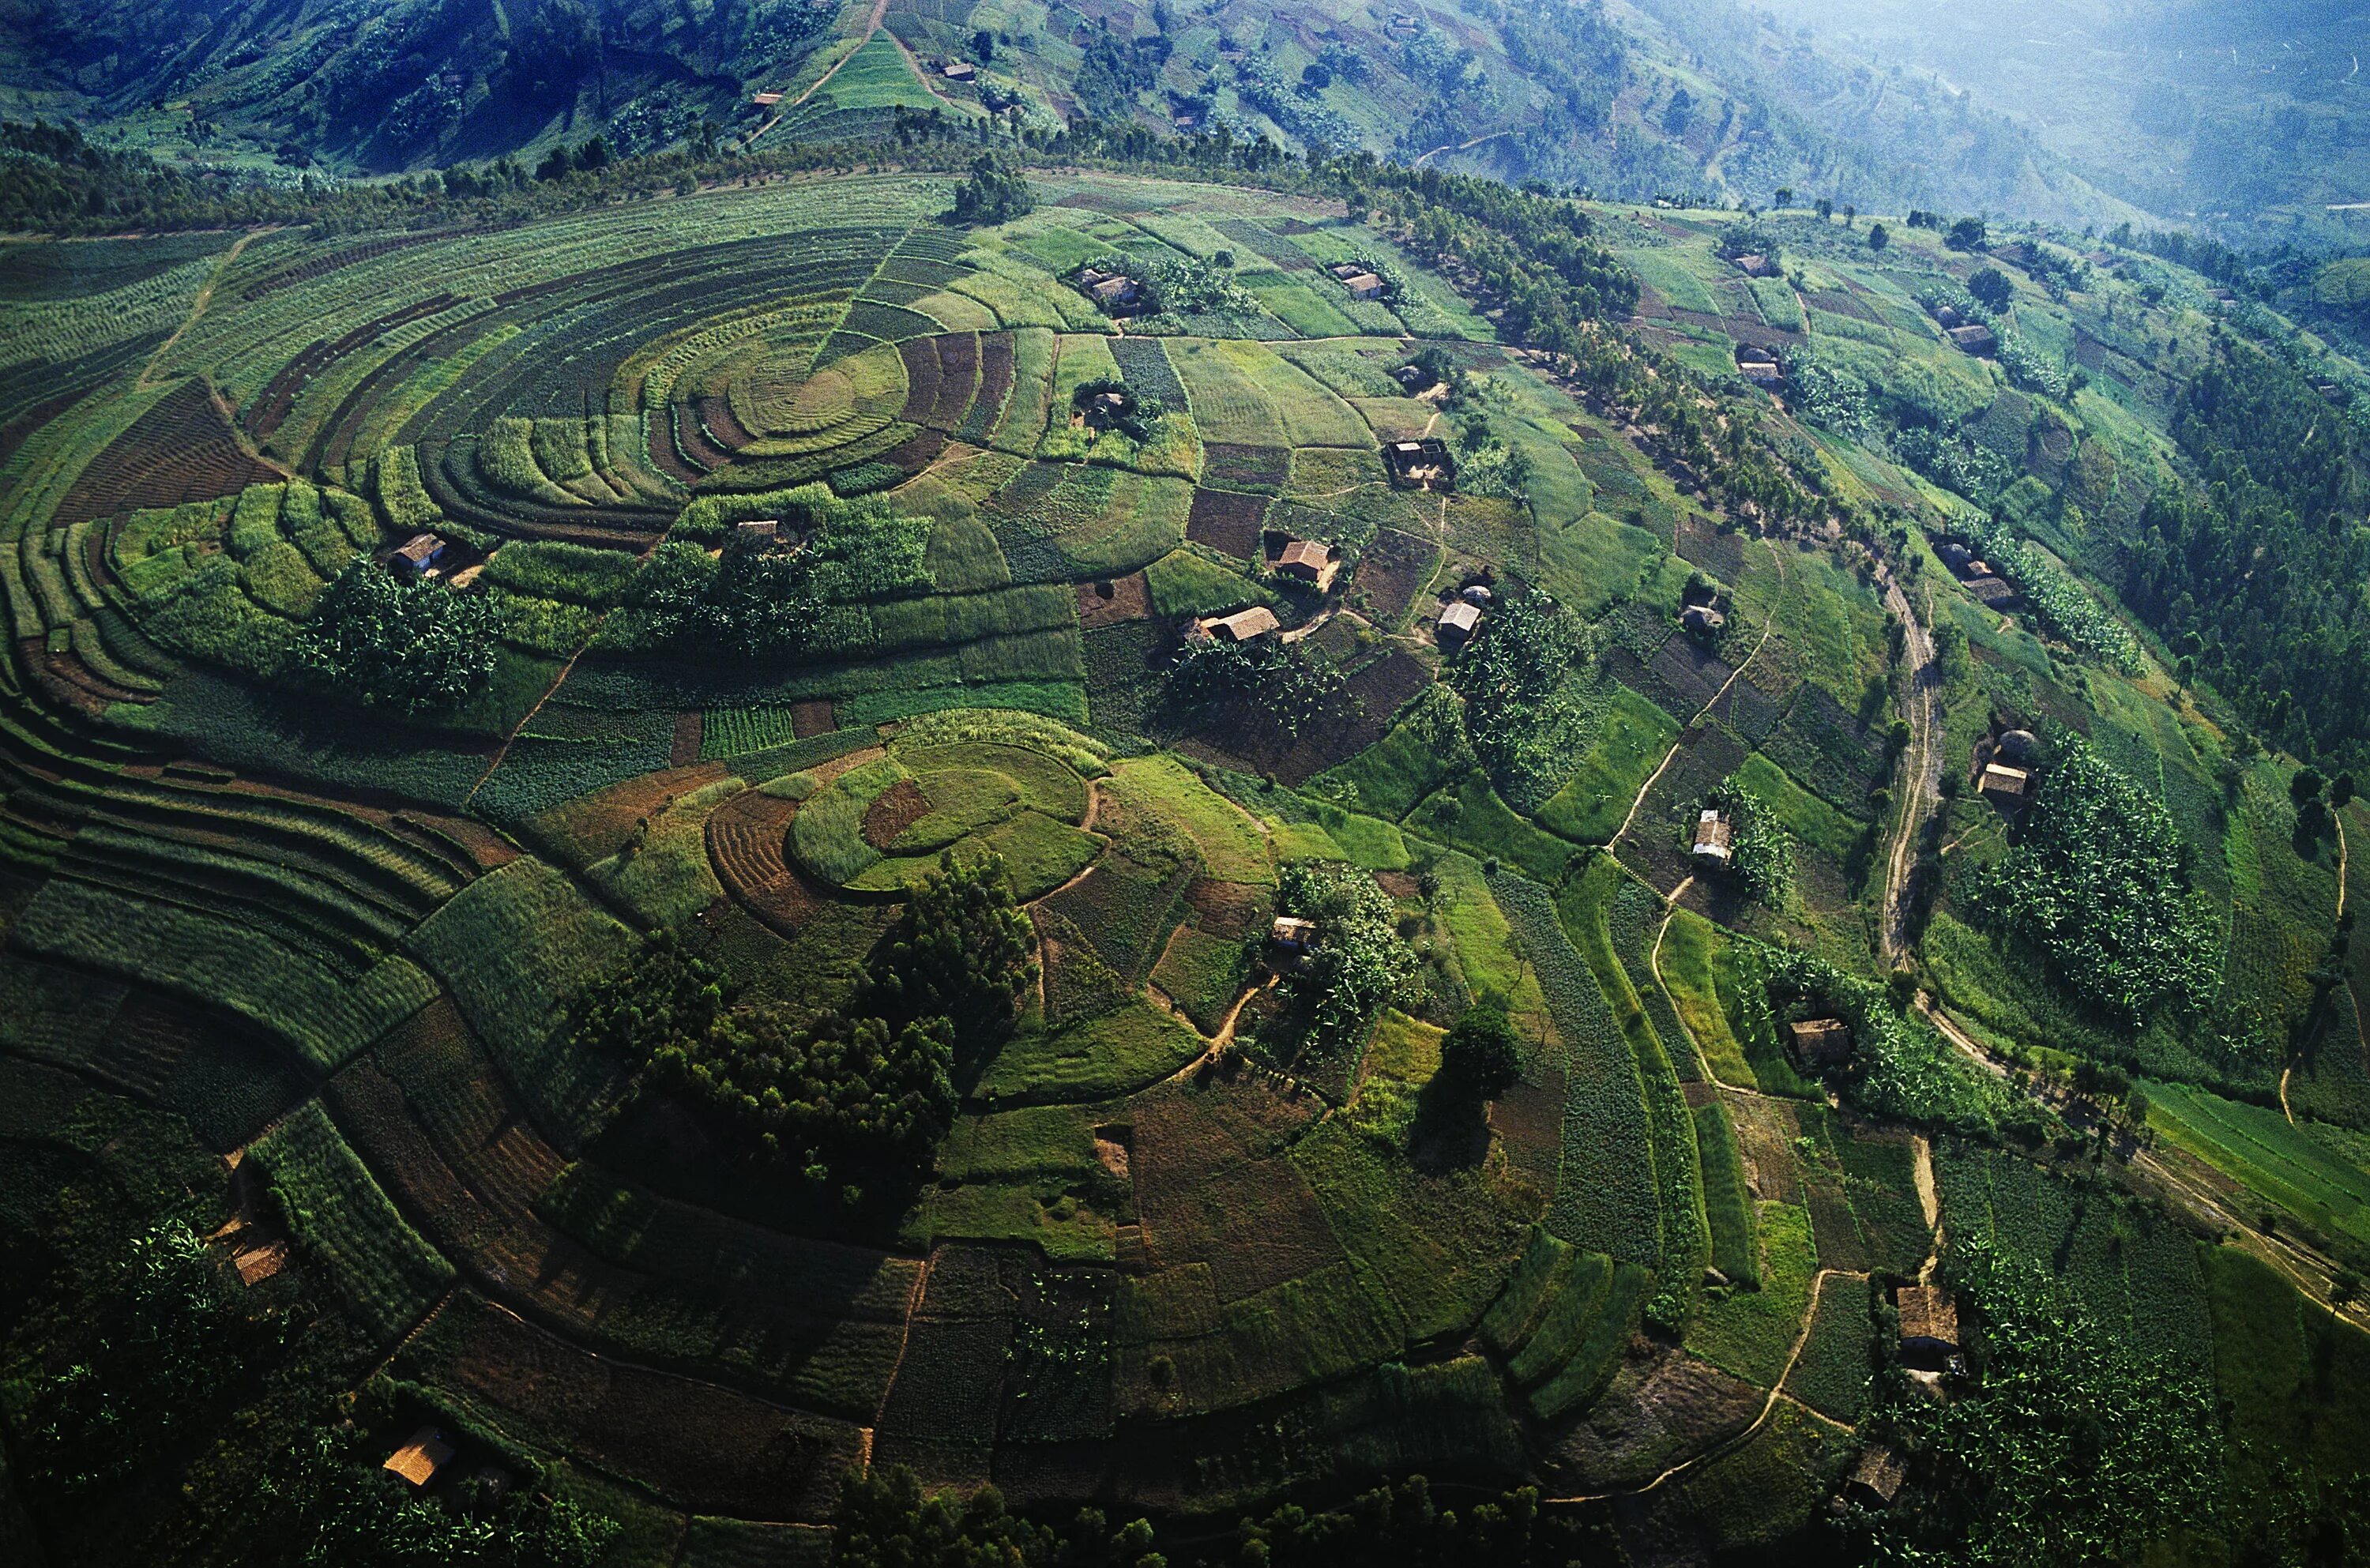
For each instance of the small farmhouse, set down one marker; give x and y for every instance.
(1975, 338)
(1760, 373)
(1420, 462)
(1703, 620)
(1364, 285)
(420, 1460)
(1955, 555)
(765, 100)
(1458, 623)
(760, 531)
(1756, 266)
(1930, 1325)
(1820, 1043)
(1715, 838)
(958, 70)
(418, 553)
(1243, 626)
(1990, 592)
(1310, 560)
(1345, 270)
(2007, 785)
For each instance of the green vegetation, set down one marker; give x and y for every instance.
(1525, 705)
(412, 647)
(2098, 883)
(819, 984)
(386, 1274)
(1356, 965)
(840, 1099)
(2142, 1467)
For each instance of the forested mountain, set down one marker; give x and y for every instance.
(364, 85)
(2251, 118)
(1627, 98)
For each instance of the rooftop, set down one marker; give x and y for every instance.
(418, 1459)
(1927, 1313)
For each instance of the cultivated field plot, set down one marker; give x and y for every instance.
(802, 543)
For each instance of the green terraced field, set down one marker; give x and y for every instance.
(791, 556)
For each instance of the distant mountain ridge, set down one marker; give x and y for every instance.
(1625, 98)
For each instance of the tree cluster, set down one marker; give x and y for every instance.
(1525, 685)
(842, 1096)
(1281, 688)
(995, 192)
(1357, 963)
(2069, 1447)
(2254, 569)
(1761, 852)
(2098, 881)
(385, 641)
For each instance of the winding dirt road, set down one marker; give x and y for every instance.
(1921, 765)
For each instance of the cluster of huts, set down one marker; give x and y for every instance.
(1118, 294)
(1362, 281)
(1461, 617)
(1972, 336)
(2003, 766)
(1977, 575)
(1310, 562)
(1759, 366)
(1419, 463)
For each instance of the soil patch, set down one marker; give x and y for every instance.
(898, 808)
(1113, 600)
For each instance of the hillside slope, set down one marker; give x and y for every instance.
(1627, 98)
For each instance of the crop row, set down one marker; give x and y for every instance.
(1606, 1197)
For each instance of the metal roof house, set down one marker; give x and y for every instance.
(1458, 623)
(1715, 838)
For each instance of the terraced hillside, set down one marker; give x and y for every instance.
(805, 548)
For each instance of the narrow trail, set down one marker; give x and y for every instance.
(2308, 1271)
(1422, 158)
(197, 305)
(2287, 1069)
(1654, 967)
(1768, 1406)
(871, 26)
(503, 751)
(905, 1338)
(1921, 769)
